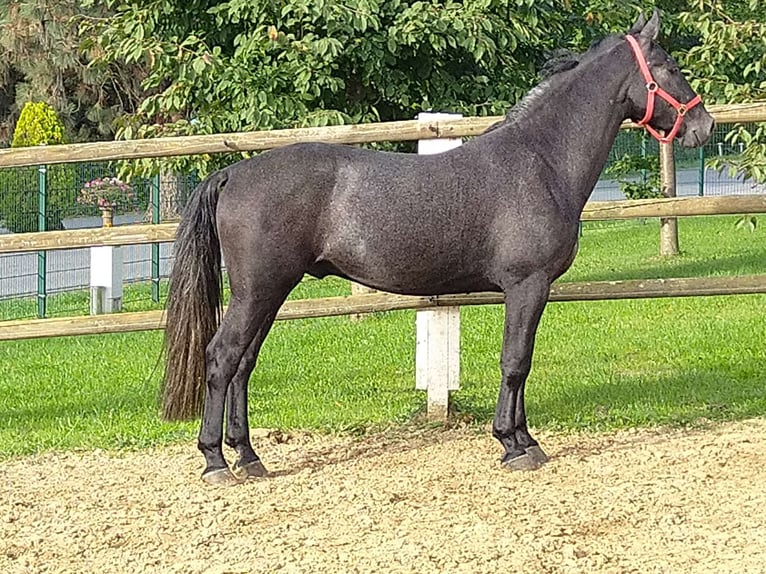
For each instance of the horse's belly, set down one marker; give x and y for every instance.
(402, 269)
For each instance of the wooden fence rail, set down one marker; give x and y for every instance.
(594, 211)
(260, 140)
(376, 302)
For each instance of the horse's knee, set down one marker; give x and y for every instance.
(515, 372)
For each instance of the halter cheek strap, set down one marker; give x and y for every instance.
(654, 90)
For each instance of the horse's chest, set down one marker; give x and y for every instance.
(526, 252)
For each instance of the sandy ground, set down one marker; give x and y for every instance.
(413, 500)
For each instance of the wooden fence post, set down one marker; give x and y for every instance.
(437, 351)
(668, 225)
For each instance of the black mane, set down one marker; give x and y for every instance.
(564, 59)
(560, 60)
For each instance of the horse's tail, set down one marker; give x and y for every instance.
(194, 305)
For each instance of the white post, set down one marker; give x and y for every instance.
(105, 279)
(437, 352)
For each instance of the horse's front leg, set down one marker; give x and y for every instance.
(524, 304)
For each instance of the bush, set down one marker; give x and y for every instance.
(628, 170)
(38, 124)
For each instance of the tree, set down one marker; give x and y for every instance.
(219, 66)
(728, 64)
(35, 51)
(40, 59)
(238, 65)
(37, 125)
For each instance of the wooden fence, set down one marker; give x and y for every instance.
(363, 133)
(254, 141)
(377, 302)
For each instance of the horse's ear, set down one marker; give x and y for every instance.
(652, 28)
(639, 25)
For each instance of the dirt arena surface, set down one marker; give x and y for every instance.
(413, 500)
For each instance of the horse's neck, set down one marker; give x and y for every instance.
(574, 125)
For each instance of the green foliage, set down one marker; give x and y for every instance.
(751, 163)
(729, 59)
(38, 125)
(40, 59)
(239, 65)
(19, 199)
(727, 64)
(638, 176)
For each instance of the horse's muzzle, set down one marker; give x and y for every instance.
(698, 130)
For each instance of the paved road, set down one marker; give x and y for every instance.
(687, 183)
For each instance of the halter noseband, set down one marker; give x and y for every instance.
(653, 89)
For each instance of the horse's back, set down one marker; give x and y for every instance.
(335, 185)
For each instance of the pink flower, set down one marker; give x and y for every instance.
(107, 192)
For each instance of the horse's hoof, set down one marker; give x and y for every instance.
(220, 477)
(537, 454)
(522, 462)
(252, 469)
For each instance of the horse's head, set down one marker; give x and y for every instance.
(660, 98)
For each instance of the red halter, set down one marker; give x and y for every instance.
(652, 89)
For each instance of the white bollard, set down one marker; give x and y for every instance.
(105, 279)
(437, 351)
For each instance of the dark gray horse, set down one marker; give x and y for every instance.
(499, 213)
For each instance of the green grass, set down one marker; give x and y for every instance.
(614, 364)
(710, 246)
(598, 365)
(136, 297)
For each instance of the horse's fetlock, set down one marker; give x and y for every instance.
(501, 433)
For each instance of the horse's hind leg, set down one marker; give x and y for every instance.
(524, 304)
(248, 463)
(238, 330)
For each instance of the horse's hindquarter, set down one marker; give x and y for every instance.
(268, 211)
